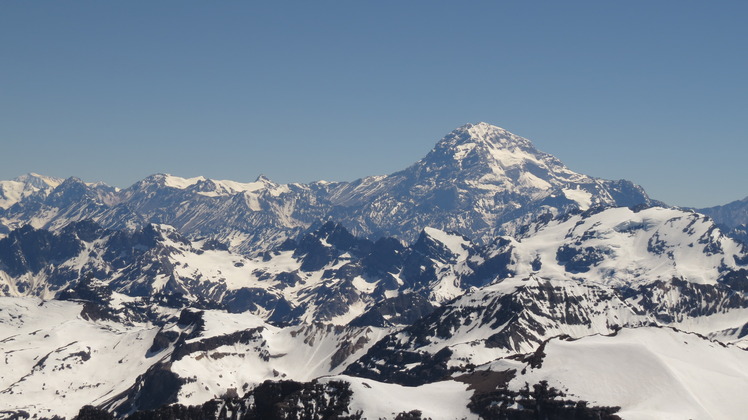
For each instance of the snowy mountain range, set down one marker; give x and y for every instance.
(486, 281)
(479, 181)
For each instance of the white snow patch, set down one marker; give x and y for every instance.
(455, 243)
(377, 400)
(181, 183)
(582, 197)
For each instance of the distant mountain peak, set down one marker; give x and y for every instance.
(264, 179)
(24, 186)
(179, 182)
(496, 159)
(39, 181)
(488, 146)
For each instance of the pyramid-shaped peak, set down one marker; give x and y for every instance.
(486, 146)
(485, 133)
(493, 158)
(263, 178)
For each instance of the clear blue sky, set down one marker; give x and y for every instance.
(651, 91)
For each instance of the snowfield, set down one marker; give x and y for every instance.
(651, 373)
(440, 400)
(629, 247)
(54, 362)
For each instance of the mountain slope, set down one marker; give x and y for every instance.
(731, 214)
(650, 373)
(55, 365)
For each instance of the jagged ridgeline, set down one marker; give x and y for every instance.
(480, 181)
(485, 281)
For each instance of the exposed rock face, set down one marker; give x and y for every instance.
(541, 401)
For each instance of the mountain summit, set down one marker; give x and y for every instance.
(492, 158)
(472, 135)
(479, 180)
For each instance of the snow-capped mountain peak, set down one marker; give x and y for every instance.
(478, 138)
(24, 186)
(39, 181)
(203, 186)
(490, 134)
(177, 182)
(492, 158)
